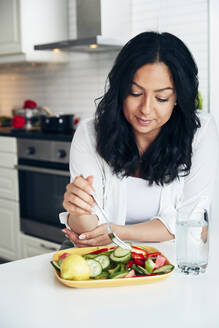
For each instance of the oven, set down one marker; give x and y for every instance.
(43, 172)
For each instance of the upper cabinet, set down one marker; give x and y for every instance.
(10, 27)
(24, 23)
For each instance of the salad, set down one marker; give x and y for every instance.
(116, 262)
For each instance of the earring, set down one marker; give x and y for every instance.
(175, 104)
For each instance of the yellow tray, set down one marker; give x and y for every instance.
(106, 282)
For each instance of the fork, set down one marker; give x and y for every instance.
(112, 235)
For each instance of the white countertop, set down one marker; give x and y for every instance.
(31, 296)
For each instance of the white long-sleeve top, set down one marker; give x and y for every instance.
(184, 192)
(142, 200)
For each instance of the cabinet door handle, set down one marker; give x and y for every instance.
(41, 170)
(48, 247)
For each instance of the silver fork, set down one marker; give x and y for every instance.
(115, 239)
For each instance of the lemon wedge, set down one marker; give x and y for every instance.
(75, 267)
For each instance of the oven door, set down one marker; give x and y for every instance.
(41, 191)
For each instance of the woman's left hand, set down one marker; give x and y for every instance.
(96, 237)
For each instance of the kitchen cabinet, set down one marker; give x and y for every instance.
(24, 23)
(9, 200)
(32, 246)
(8, 184)
(10, 27)
(9, 229)
(14, 244)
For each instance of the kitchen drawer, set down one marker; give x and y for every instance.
(8, 145)
(9, 184)
(8, 160)
(31, 246)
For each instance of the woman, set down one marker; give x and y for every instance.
(149, 150)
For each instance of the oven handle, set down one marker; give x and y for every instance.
(41, 170)
(48, 248)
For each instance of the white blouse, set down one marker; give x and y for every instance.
(111, 190)
(142, 200)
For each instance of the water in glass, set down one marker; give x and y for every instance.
(192, 243)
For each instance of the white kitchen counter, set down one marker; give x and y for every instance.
(31, 297)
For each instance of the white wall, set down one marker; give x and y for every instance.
(187, 19)
(213, 58)
(72, 87)
(214, 85)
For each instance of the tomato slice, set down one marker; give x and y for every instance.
(160, 260)
(131, 274)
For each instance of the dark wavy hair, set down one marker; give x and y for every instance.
(169, 155)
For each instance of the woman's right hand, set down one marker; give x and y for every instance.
(77, 198)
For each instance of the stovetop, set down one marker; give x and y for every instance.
(35, 134)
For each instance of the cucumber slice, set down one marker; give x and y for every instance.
(95, 268)
(55, 265)
(120, 274)
(103, 260)
(139, 269)
(122, 259)
(164, 269)
(120, 252)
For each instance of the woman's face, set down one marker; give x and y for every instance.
(150, 102)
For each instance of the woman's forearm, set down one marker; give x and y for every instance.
(149, 231)
(83, 223)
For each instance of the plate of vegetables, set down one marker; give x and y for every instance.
(107, 266)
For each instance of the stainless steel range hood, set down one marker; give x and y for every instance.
(100, 26)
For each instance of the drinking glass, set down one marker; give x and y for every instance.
(192, 241)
